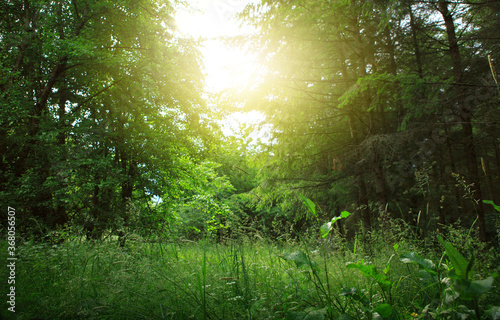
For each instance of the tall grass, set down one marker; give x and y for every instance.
(236, 280)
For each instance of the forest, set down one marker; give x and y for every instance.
(371, 191)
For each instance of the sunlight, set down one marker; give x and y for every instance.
(237, 122)
(227, 68)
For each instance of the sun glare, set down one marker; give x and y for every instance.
(226, 67)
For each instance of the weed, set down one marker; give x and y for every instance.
(254, 279)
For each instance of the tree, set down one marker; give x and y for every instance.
(100, 102)
(364, 84)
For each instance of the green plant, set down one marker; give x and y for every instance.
(451, 282)
(497, 220)
(384, 310)
(321, 283)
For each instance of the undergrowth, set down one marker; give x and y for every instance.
(374, 276)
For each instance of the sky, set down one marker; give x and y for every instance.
(226, 67)
(212, 18)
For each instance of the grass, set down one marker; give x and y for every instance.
(236, 280)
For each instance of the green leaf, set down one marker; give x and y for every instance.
(327, 227)
(473, 289)
(345, 214)
(395, 247)
(371, 271)
(481, 286)
(387, 268)
(413, 257)
(385, 310)
(310, 205)
(497, 208)
(300, 259)
(427, 277)
(458, 261)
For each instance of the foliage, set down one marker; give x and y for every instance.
(452, 281)
(245, 279)
(134, 205)
(327, 227)
(100, 108)
(365, 99)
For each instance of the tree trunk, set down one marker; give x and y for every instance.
(61, 216)
(363, 201)
(416, 47)
(465, 115)
(497, 163)
(393, 69)
(380, 187)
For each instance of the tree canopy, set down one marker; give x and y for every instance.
(381, 106)
(101, 105)
(384, 108)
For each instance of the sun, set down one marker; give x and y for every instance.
(227, 67)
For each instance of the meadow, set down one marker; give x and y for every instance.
(374, 276)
